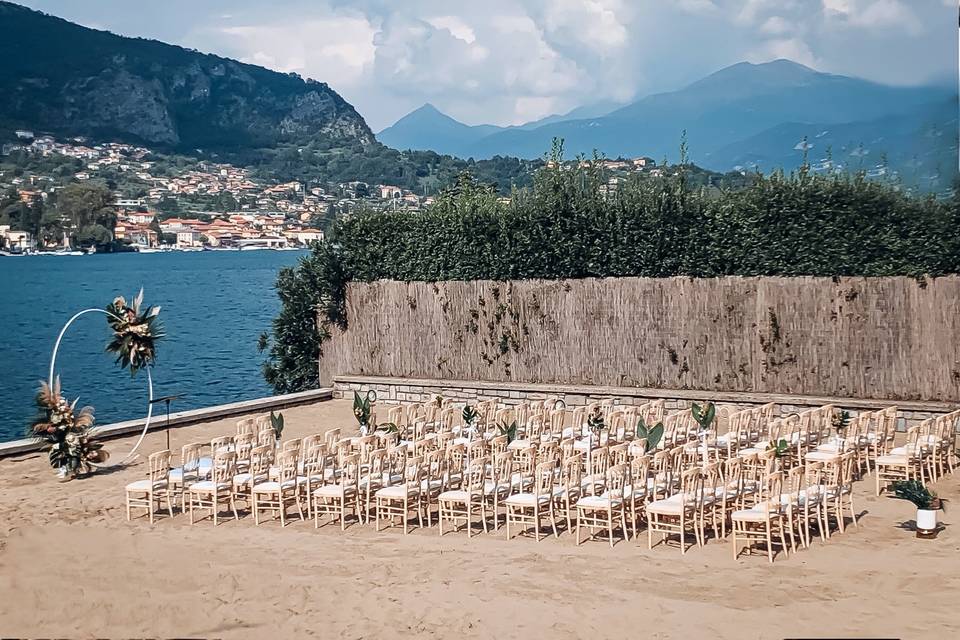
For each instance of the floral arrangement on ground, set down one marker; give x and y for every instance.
(67, 431)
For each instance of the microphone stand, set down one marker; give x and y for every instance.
(166, 400)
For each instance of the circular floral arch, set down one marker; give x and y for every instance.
(68, 431)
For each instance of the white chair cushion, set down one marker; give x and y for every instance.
(597, 502)
(144, 485)
(243, 479)
(892, 460)
(273, 486)
(453, 496)
(758, 513)
(397, 491)
(334, 491)
(208, 485)
(525, 500)
(821, 456)
(673, 505)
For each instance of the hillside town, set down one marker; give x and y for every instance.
(161, 205)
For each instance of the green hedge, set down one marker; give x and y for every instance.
(571, 224)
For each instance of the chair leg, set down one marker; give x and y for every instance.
(783, 542)
(610, 525)
(128, 506)
(214, 504)
(150, 499)
(256, 510)
(169, 504)
(281, 503)
(769, 541)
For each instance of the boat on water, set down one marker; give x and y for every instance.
(62, 252)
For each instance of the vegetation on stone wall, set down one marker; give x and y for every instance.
(573, 224)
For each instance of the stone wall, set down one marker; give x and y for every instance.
(391, 390)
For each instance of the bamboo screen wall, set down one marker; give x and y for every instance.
(884, 338)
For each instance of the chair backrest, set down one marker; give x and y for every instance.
(477, 474)
(543, 478)
(503, 467)
(159, 464)
(349, 471)
(292, 444)
(314, 459)
(733, 474)
(223, 442)
(266, 437)
(190, 457)
(377, 466)
(618, 454)
(263, 422)
(287, 461)
(599, 461)
(498, 444)
(548, 451)
(397, 460)
(366, 445)
(414, 472)
(640, 468)
(261, 457)
(330, 438)
(571, 474)
(691, 481)
(772, 487)
(712, 478)
(813, 474)
(526, 460)
(244, 445)
(247, 425)
(224, 467)
(616, 480)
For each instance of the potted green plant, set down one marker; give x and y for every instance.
(926, 501)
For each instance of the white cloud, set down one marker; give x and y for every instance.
(874, 14)
(506, 61)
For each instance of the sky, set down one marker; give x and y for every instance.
(513, 61)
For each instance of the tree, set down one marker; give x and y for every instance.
(88, 212)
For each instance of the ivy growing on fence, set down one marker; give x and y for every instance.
(573, 224)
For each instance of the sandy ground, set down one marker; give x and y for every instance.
(72, 566)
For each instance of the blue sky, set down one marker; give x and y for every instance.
(511, 61)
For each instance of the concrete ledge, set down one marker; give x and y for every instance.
(185, 418)
(734, 397)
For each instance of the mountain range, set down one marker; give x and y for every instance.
(745, 115)
(62, 78)
(427, 128)
(68, 80)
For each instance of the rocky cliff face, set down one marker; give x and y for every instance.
(62, 78)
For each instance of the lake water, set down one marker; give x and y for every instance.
(215, 306)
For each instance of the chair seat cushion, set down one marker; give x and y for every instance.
(334, 491)
(757, 513)
(144, 485)
(489, 486)
(526, 500)
(273, 485)
(674, 505)
(208, 485)
(892, 460)
(243, 479)
(398, 491)
(598, 502)
(457, 495)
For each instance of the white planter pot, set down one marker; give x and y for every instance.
(926, 520)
